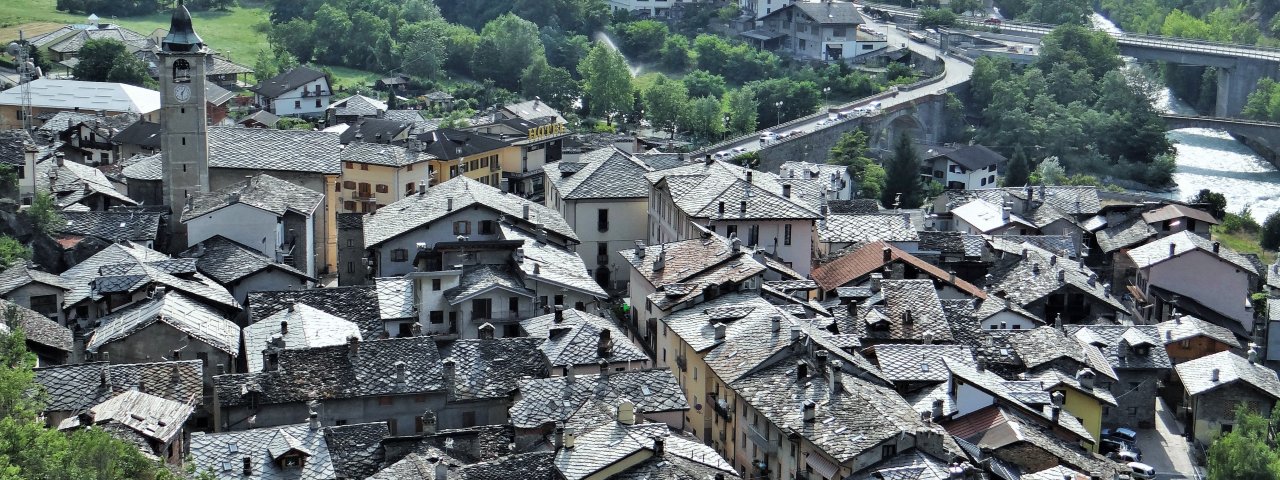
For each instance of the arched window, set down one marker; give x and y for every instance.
(181, 71)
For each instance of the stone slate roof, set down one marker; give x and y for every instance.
(141, 133)
(74, 182)
(478, 279)
(1124, 234)
(839, 228)
(555, 399)
(358, 105)
(827, 13)
(698, 189)
(1172, 211)
(222, 453)
(1056, 473)
(1026, 280)
(916, 298)
(174, 309)
(281, 84)
(373, 130)
(1042, 345)
(395, 298)
(271, 149)
(986, 216)
(858, 417)
(604, 173)
(452, 144)
(38, 328)
(870, 258)
(422, 210)
(606, 443)
(332, 373)
(358, 304)
(993, 305)
(228, 261)
(13, 146)
(919, 363)
(677, 467)
(1118, 342)
(491, 368)
(61, 121)
(911, 465)
(263, 117)
(22, 274)
(997, 427)
(533, 110)
(140, 167)
(80, 386)
(113, 227)
(1052, 377)
(972, 157)
(382, 154)
(1012, 395)
(576, 339)
(1197, 375)
(156, 418)
(1183, 327)
(128, 267)
(356, 450)
(552, 264)
(262, 191)
(308, 327)
(1183, 242)
(1063, 245)
(690, 266)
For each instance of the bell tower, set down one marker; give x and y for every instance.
(184, 142)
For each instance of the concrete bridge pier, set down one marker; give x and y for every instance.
(1236, 82)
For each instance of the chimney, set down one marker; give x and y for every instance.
(486, 331)
(604, 368)
(1215, 375)
(422, 187)
(1055, 412)
(938, 405)
(525, 213)
(570, 436)
(1005, 213)
(312, 415)
(1057, 322)
(450, 368)
(876, 278)
(928, 337)
(981, 365)
(558, 439)
(951, 277)
(907, 318)
(720, 208)
(448, 204)
(795, 332)
(284, 326)
(400, 373)
(749, 172)
(246, 466)
(775, 323)
(822, 210)
(786, 190)
(442, 470)
(1173, 249)
(1216, 247)
(639, 249)
(810, 411)
(820, 358)
(62, 159)
(1086, 377)
(626, 412)
(735, 245)
(429, 422)
(720, 331)
(604, 346)
(1026, 203)
(353, 348)
(837, 375)
(659, 446)
(559, 318)
(708, 160)
(802, 370)
(887, 254)
(1053, 260)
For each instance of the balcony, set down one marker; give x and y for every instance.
(682, 363)
(505, 316)
(762, 441)
(721, 407)
(360, 196)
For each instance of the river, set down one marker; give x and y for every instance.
(1214, 160)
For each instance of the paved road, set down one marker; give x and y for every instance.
(1164, 447)
(957, 72)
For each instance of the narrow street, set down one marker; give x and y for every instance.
(1164, 447)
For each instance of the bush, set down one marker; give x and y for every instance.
(1242, 222)
(605, 128)
(1270, 238)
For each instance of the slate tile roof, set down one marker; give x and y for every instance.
(332, 372)
(993, 305)
(858, 417)
(358, 105)
(22, 274)
(919, 363)
(73, 182)
(676, 467)
(604, 173)
(1042, 345)
(113, 227)
(690, 266)
(552, 264)
(1184, 327)
(1118, 343)
(281, 84)
(1012, 395)
(422, 210)
(144, 167)
(1183, 242)
(1056, 473)
(37, 328)
(608, 443)
(358, 304)
(532, 110)
(1024, 280)
(912, 311)
(271, 149)
(996, 427)
(141, 133)
(174, 309)
(80, 386)
(698, 189)
(1173, 210)
(530, 466)
(156, 418)
(576, 339)
(228, 261)
(1197, 375)
(222, 453)
(986, 217)
(830, 13)
(262, 191)
(1064, 245)
(1050, 378)
(839, 228)
(395, 298)
(307, 327)
(477, 279)
(870, 258)
(555, 399)
(1124, 234)
(61, 121)
(972, 157)
(911, 465)
(854, 206)
(13, 146)
(356, 450)
(129, 267)
(491, 368)
(382, 154)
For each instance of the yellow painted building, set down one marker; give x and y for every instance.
(1081, 400)
(375, 175)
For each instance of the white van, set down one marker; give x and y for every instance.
(1142, 470)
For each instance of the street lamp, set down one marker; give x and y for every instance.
(777, 112)
(725, 133)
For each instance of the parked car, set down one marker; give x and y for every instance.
(722, 155)
(992, 21)
(768, 136)
(1120, 447)
(1127, 435)
(1142, 470)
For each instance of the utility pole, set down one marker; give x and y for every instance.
(27, 71)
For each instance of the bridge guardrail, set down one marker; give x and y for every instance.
(1238, 121)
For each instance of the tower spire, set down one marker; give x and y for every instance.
(182, 36)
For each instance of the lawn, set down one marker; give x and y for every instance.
(1244, 242)
(236, 33)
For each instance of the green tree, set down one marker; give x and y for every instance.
(422, 52)
(296, 36)
(461, 43)
(1216, 203)
(1050, 172)
(675, 53)
(508, 44)
(701, 83)
(706, 118)
(712, 52)
(902, 184)
(785, 99)
(936, 17)
(1270, 235)
(1060, 12)
(1260, 105)
(1248, 451)
(1079, 48)
(961, 7)
(1018, 173)
(564, 51)
(741, 105)
(330, 47)
(987, 70)
(851, 150)
(643, 39)
(553, 85)
(665, 102)
(44, 214)
(107, 60)
(606, 82)
(12, 251)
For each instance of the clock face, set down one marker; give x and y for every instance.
(182, 92)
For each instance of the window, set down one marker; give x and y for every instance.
(983, 182)
(1184, 343)
(380, 188)
(46, 305)
(786, 234)
(351, 267)
(753, 235)
(317, 103)
(364, 166)
(349, 205)
(838, 31)
(887, 451)
(462, 227)
(399, 255)
(602, 219)
(297, 104)
(348, 184)
(408, 188)
(435, 284)
(337, 187)
(487, 227)
(437, 317)
(391, 425)
(731, 230)
(468, 419)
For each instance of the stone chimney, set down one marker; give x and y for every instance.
(735, 245)
(442, 470)
(604, 346)
(558, 437)
(284, 327)
(450, 369)
(604, 368)
(1216, 247)
(1086, 378)
(626, 412)
(786, 190)
(1173, 249)
(938, 406)
(400, 373)
(795, 332)
(1057, 321)
(836, 379)
(1215, 375)
(720, 331)
(775, 323)
(525, 212)
(486, 331)
(570, 437)
(639, 251)
(820, 361)
(313, 415)
(876, 278)
(659, 446)
(887, 254)
(810, 411)
(353, 348)
(802, 370)
(1062, 276)
(559, 315)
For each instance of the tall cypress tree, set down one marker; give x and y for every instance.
(1018, 173)
(903, 175)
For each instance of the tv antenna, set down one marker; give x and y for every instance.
(27, 71)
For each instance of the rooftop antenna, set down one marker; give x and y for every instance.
(27, 72)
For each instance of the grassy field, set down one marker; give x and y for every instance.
(236, 33)
(1244, 242)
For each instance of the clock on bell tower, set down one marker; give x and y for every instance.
(184, 143)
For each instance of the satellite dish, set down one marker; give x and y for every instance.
(13, 49)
